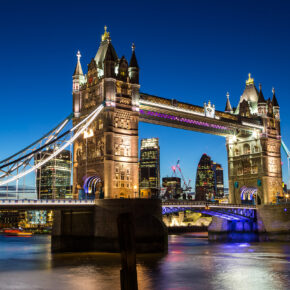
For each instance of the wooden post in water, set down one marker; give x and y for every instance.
(128, 273)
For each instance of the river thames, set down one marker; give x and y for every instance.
(191, 263)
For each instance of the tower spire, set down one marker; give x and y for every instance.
(78, 70)
(228, 104)
(133, 61)
(261, 98)
(274, 99)
(133, 67)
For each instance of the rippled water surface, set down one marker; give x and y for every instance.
(26, 263)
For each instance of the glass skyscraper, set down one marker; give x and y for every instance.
(53, 180)
(149, 176)
(209, 182)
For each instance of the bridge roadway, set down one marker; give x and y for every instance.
(226, 211)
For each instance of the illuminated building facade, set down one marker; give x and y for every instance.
(107, 157)
(219, 179)
(254, 161)
(53, 180)
(172, 185)
(11, 218)
(149, 167)
(205, 179)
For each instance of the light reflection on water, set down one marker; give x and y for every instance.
(26, 263)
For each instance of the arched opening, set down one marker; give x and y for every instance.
(93, 188)
(249, 195)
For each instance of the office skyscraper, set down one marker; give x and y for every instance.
(209, 182)
(149, 165)
(53, 180)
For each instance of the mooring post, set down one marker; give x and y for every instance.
(128, 273)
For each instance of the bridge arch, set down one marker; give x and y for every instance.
(93, 187)
(250, 195)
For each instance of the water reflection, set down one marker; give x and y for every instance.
(26, 263)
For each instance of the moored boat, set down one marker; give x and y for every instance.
(17, 233)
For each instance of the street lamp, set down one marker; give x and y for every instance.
(135, 190)
(286, 195)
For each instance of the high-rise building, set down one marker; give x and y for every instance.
(53, 180)
(172, 185)
(219, 179)
(149, 177)
(209, 182)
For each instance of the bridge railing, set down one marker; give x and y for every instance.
(45, 201)
(204, 203)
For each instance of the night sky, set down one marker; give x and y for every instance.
(193, 51)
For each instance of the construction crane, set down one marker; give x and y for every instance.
(288, 159)
(177, 167)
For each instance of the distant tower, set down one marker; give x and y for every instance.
(149, 180)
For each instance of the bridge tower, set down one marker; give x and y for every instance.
(107, 154)
(254, 160)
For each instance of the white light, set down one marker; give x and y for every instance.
(110, 104)
(233, 139)
(88, 134)
(255, 134)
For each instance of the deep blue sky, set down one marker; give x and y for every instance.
(193, 51)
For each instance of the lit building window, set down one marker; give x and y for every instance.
(247, 149)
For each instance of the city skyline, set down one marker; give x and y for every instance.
(190, 60)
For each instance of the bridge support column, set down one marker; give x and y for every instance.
(236, 231)
(97, 230)
(274, 222)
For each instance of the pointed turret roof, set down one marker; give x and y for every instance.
(123, 60)
(133, 60)
(106, 50)
(261, 98)
(78, 70)
(111, 54)
(250, 94)
(228, 104)
(274, 99)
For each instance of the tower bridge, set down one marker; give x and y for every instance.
(102, 133)
(107, 108)
(252, 129)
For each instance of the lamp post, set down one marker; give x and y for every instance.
(286, 195)
(135, 190)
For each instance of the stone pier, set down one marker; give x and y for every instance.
(272, 223)
(96, 229)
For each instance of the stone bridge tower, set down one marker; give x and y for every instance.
(107, 154)
(254, 160)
